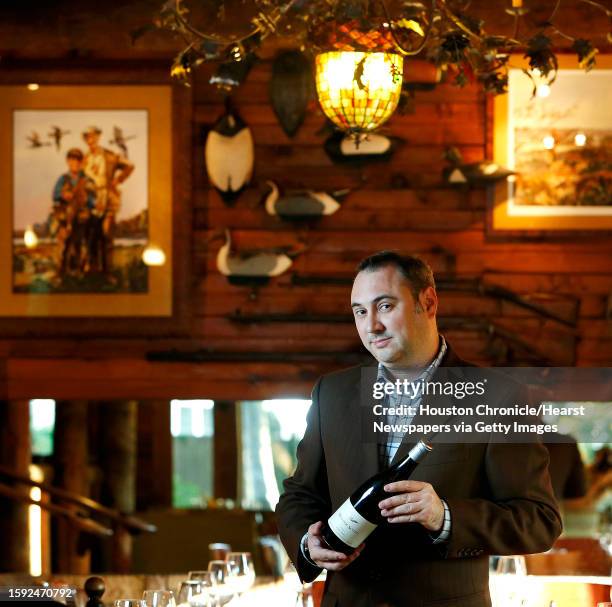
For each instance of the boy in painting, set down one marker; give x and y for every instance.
(74, 197)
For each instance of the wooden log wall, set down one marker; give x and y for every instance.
(399, 204)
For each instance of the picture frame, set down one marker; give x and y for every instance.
(564, 190)
(147, 91)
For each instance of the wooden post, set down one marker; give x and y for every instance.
(226, 450)
(154, 476)
(71, 458)
(15, 453)
(119, 422)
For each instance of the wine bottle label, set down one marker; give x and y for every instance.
(349, 525)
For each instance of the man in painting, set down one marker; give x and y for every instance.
(74, 198)
(107, 170)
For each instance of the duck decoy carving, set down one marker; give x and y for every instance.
(481, 172)
(302, 204)
(253, 265)
(229, 155)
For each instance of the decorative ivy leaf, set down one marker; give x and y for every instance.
(410, 24)
(586, 53)
(541, 56)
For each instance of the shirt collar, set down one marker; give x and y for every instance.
(384, 374)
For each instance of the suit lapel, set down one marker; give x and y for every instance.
(443, 373)
(366, 460)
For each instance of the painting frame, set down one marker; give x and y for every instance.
(143, 86)
(555, 222)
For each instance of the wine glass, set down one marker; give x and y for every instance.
(242, 569)
(159, 598)
(129, 603)
(514, 565)
(194, 593)
(511, 568)
(222, 576)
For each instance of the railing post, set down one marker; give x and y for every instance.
(120, 439)
(15, 453)
(71, 457)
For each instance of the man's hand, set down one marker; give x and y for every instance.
(417, 502)
(323, 557)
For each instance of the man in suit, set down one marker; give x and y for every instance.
(463, 503)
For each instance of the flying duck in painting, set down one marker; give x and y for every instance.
(56, 135)
(120, 140)
(229, 156)
(35, 141)
(301, 204)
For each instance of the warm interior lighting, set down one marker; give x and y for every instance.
(580, 139)
(35, 523)
(543, 90)
(33, 86)
(358, 91)
(153, 256)
(29, 238)
(548, 142)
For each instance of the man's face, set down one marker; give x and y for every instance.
(391, 325)
(91, 139)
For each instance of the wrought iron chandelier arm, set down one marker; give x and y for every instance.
(554, 11)
(398, 44)
(599, 6)
(450, 15)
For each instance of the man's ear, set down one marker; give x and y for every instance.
(428, 299)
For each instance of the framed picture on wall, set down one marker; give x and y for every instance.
(558, 139)
(87, 200)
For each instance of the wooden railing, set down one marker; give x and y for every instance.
(80, 511)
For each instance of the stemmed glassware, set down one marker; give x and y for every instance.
(223, 586)
(129, 603)
(159, 598)
(513, 568)
(194, 593)
(242, 571)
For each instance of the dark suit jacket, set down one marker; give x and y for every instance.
(499, 495)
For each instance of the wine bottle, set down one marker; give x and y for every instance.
(359, 515)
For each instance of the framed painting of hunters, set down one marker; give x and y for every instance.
(87, 189)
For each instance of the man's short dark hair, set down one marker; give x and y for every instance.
(417, 272)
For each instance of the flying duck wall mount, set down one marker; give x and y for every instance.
(230, 154)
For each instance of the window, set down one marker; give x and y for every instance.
(192, 428)
(42, 426)
(270, 431)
